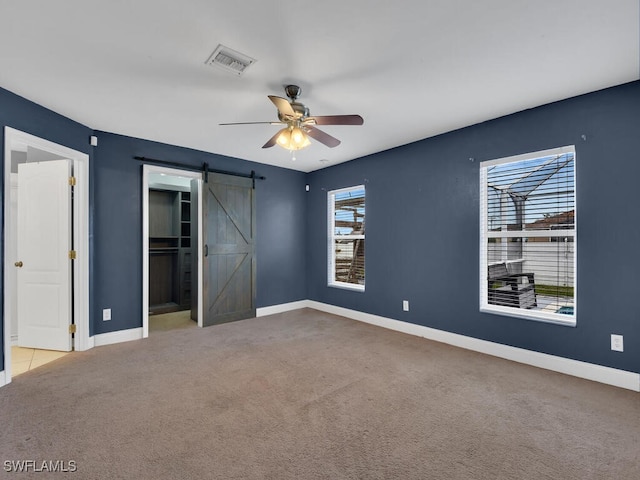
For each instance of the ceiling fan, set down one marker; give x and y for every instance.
(299, 124)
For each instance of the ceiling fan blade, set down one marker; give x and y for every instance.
(253, 123)
(283, 105)
(337, 120)
(272, 141)
(322, 137)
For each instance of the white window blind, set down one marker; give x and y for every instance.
(346, 208)
(528, 236)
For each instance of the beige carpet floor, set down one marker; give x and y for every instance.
(307, 395)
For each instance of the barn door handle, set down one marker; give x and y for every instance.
(18, 264)
(206, 251)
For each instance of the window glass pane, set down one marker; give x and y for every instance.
(537, 194)
(542, 265)
(349, 213)
(349, 261)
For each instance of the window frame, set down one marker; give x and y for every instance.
(535, 315)
(331, 238)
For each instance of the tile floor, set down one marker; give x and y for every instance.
(25, 359)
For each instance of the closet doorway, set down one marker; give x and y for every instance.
(171, 271)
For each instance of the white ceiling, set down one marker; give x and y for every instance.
(411, 68)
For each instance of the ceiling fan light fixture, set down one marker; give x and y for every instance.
(284, 138)
(297, 136)
(293, 138)
(306, 142)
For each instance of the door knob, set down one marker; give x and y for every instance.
(18, 264)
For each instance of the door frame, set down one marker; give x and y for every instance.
(80, 161)
(148, 169)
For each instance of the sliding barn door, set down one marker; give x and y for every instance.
(228, 220)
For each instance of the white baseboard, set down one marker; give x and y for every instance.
(589, 371)
(89, 343)
(3, 378)
(14, 340)
(283, 307)
(117, 337)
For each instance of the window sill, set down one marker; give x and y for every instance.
(534, 315)
(347, 286)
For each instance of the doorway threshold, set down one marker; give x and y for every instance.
(26, 359)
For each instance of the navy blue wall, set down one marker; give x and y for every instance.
(422, 240)
(21, 114)
(117, 214)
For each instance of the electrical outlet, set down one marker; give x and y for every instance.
(405, 305)
(106, 314)
(617, 343)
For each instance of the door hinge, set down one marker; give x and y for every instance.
(72, 181)
(72, 254)
(72, 328)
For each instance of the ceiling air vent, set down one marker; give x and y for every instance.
(230, 60)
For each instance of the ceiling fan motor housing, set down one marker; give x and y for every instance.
(292, 91)
(301, 112)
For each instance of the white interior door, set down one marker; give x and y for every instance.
(43, 264)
